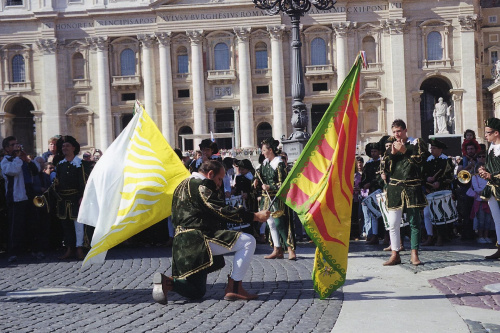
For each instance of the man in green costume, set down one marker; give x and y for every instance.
(438, 174)
(404, 191)
(199, 243)
(492, 173)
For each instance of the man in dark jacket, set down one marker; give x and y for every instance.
(199, 242)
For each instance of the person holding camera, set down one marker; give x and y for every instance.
(16, 166)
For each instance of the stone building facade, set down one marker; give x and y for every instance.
(76, 67)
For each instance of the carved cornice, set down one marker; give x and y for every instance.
(195, 36)
(243, 33)
(147, 41)
(98, 43)
(276, 31)
(163, 38)
(394, 26)
(468, 22)
(47, 46)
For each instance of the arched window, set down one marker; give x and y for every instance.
(434, 46)
(18, 69)
(182, 60)
(264, 131)
(221, 56)
(127, 62)
(318, 51)
(370, 49)
(188, 143)
(261, 56)
(78, 66)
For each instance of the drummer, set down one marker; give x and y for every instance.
(371, 180)
(438, 175)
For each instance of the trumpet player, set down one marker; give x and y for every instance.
(438, 176)
(404, 190)
(491, 172)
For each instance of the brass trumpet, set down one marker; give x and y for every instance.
(464, 177)
(41, 200)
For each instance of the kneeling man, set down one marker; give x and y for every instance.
(198, 215)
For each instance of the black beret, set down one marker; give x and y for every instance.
(493, 123)
(207, 143)
(437, 143)
(370, 146)
(245, 164)
(69, 139)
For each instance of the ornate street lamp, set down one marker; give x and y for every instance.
(295, 9)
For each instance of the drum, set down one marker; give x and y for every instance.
(372, 204)
(382, 203)
(442, 207)
(236, 201)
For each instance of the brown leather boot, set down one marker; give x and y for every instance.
(414, 258)
(373, 240)
(235, 291)
(495, 255)
(395, 259)
(70, 252)
(80, 255)
(429, 241)
(161, 285)
(291, 254)
(276, 254)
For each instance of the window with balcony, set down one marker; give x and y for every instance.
(182, 60)
(318, 51)
(261, 56)
(78, 63)
(13, 3)
(370, 49)
(18, 69)
(127, 62)
(434, 46)
(221, 56)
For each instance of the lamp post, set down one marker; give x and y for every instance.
(295, 9)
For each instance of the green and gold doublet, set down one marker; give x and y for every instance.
(272, 173)
(493, 167)
(71, 179)
(371, 175)
(404, 189)
(198, 213)
(442, 168)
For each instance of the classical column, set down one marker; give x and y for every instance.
(469, 82)
(37, 117)
(456, 97)
(6, 124)
(147, 42)
(103, 84)
(414, 118)
(396, 67)
(167, 94)
(116, 121)
(199, 112)
(50, 88)
(211, 119)
(278, 81)
(246, 97)
(342, 66)
(237, 138)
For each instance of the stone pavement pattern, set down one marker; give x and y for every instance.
(116, 296)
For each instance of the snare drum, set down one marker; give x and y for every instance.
(442, 207)
(372, 204)
(236, 201)
(382, 203)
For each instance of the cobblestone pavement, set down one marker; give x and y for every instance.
(55, 296)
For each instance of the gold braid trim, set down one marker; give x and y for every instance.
(205, 194)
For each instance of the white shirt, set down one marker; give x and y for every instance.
(14, 169)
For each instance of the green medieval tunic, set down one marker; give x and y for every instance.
(273, 173)
(71, 179)
(404, 190)
(442, 169)
(198, 211)
(493, 167)
(371, 175)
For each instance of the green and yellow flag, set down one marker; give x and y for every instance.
(319, 187)
(131, 187)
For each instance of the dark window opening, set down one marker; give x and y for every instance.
(262, 89)
(128, 97)
(183, 93)
(320, 86)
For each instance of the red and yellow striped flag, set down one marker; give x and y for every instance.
(319, 188)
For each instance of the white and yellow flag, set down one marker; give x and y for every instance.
(131, 187)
